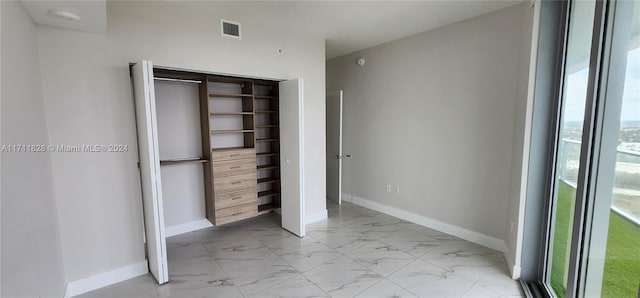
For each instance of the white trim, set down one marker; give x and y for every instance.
(515, 266)
(187, 227)
(341, 104)
(318, 216)
(303, 180)
(475, 237)
(347, 197)
(514, 269)
(104, 279)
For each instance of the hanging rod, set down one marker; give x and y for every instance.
(177, 80)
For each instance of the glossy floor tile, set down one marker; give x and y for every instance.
(356, 252)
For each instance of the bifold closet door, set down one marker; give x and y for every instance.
(149, 164)
(292, 156)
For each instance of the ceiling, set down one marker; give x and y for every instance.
(347, 26)
(92, 13)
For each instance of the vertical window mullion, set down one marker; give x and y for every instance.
(585, 187)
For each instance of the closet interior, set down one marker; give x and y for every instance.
(219, 146)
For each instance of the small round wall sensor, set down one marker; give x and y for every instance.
(361, 61)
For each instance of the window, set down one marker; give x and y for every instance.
(591, 207)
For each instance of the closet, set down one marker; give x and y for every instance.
(219, 147)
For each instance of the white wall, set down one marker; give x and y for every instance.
(31, 252)
(88, 100)
(178, 119)
(434, 114)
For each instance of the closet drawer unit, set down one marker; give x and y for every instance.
(235, 198)
(234, 167)
(233, 154)
(236, 213)
(232, 183)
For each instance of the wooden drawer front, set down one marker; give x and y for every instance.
(232, 214)
(232, 183)
(234, 167)
(233, 154)
(235, 198)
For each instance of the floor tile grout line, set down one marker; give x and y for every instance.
(298, 271)
(365, 289)
(421, 255)
(345, 252)
(393, 282)
(383, 277)
(226, 273)
(356, 262)
(310, 269)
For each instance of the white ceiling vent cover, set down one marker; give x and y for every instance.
(230, 29)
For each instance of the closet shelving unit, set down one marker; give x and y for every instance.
(230, 116)
(239, 126)
(267, 144)
(231, 112)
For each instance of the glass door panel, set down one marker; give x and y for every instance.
(613, 266)
(572, 110)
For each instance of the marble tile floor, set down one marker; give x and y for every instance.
(356, 252)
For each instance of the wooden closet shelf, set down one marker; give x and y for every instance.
(264, 97)
(268, 193)
(268, 180)
(266, 112)
(218, 131)
(229, 148)
(267, 167)
(266, 140)
(229, 95)
(266, 208)
(266, 154)
(230, 113)
(182, 160)
(228, 80)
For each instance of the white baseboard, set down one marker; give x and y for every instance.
(104, 279)
(187, 227)
(347, 197)
(318, 216)
(471, 236)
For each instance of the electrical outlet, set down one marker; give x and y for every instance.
(397, 190)
(388, 187)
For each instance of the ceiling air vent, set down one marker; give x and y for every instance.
(230, 29)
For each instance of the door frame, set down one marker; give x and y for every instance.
(340, 154)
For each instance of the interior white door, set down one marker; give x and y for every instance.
(334, 146)
(150, 170)
(292, 156)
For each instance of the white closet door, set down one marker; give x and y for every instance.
(291, 156)
(150, 170)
